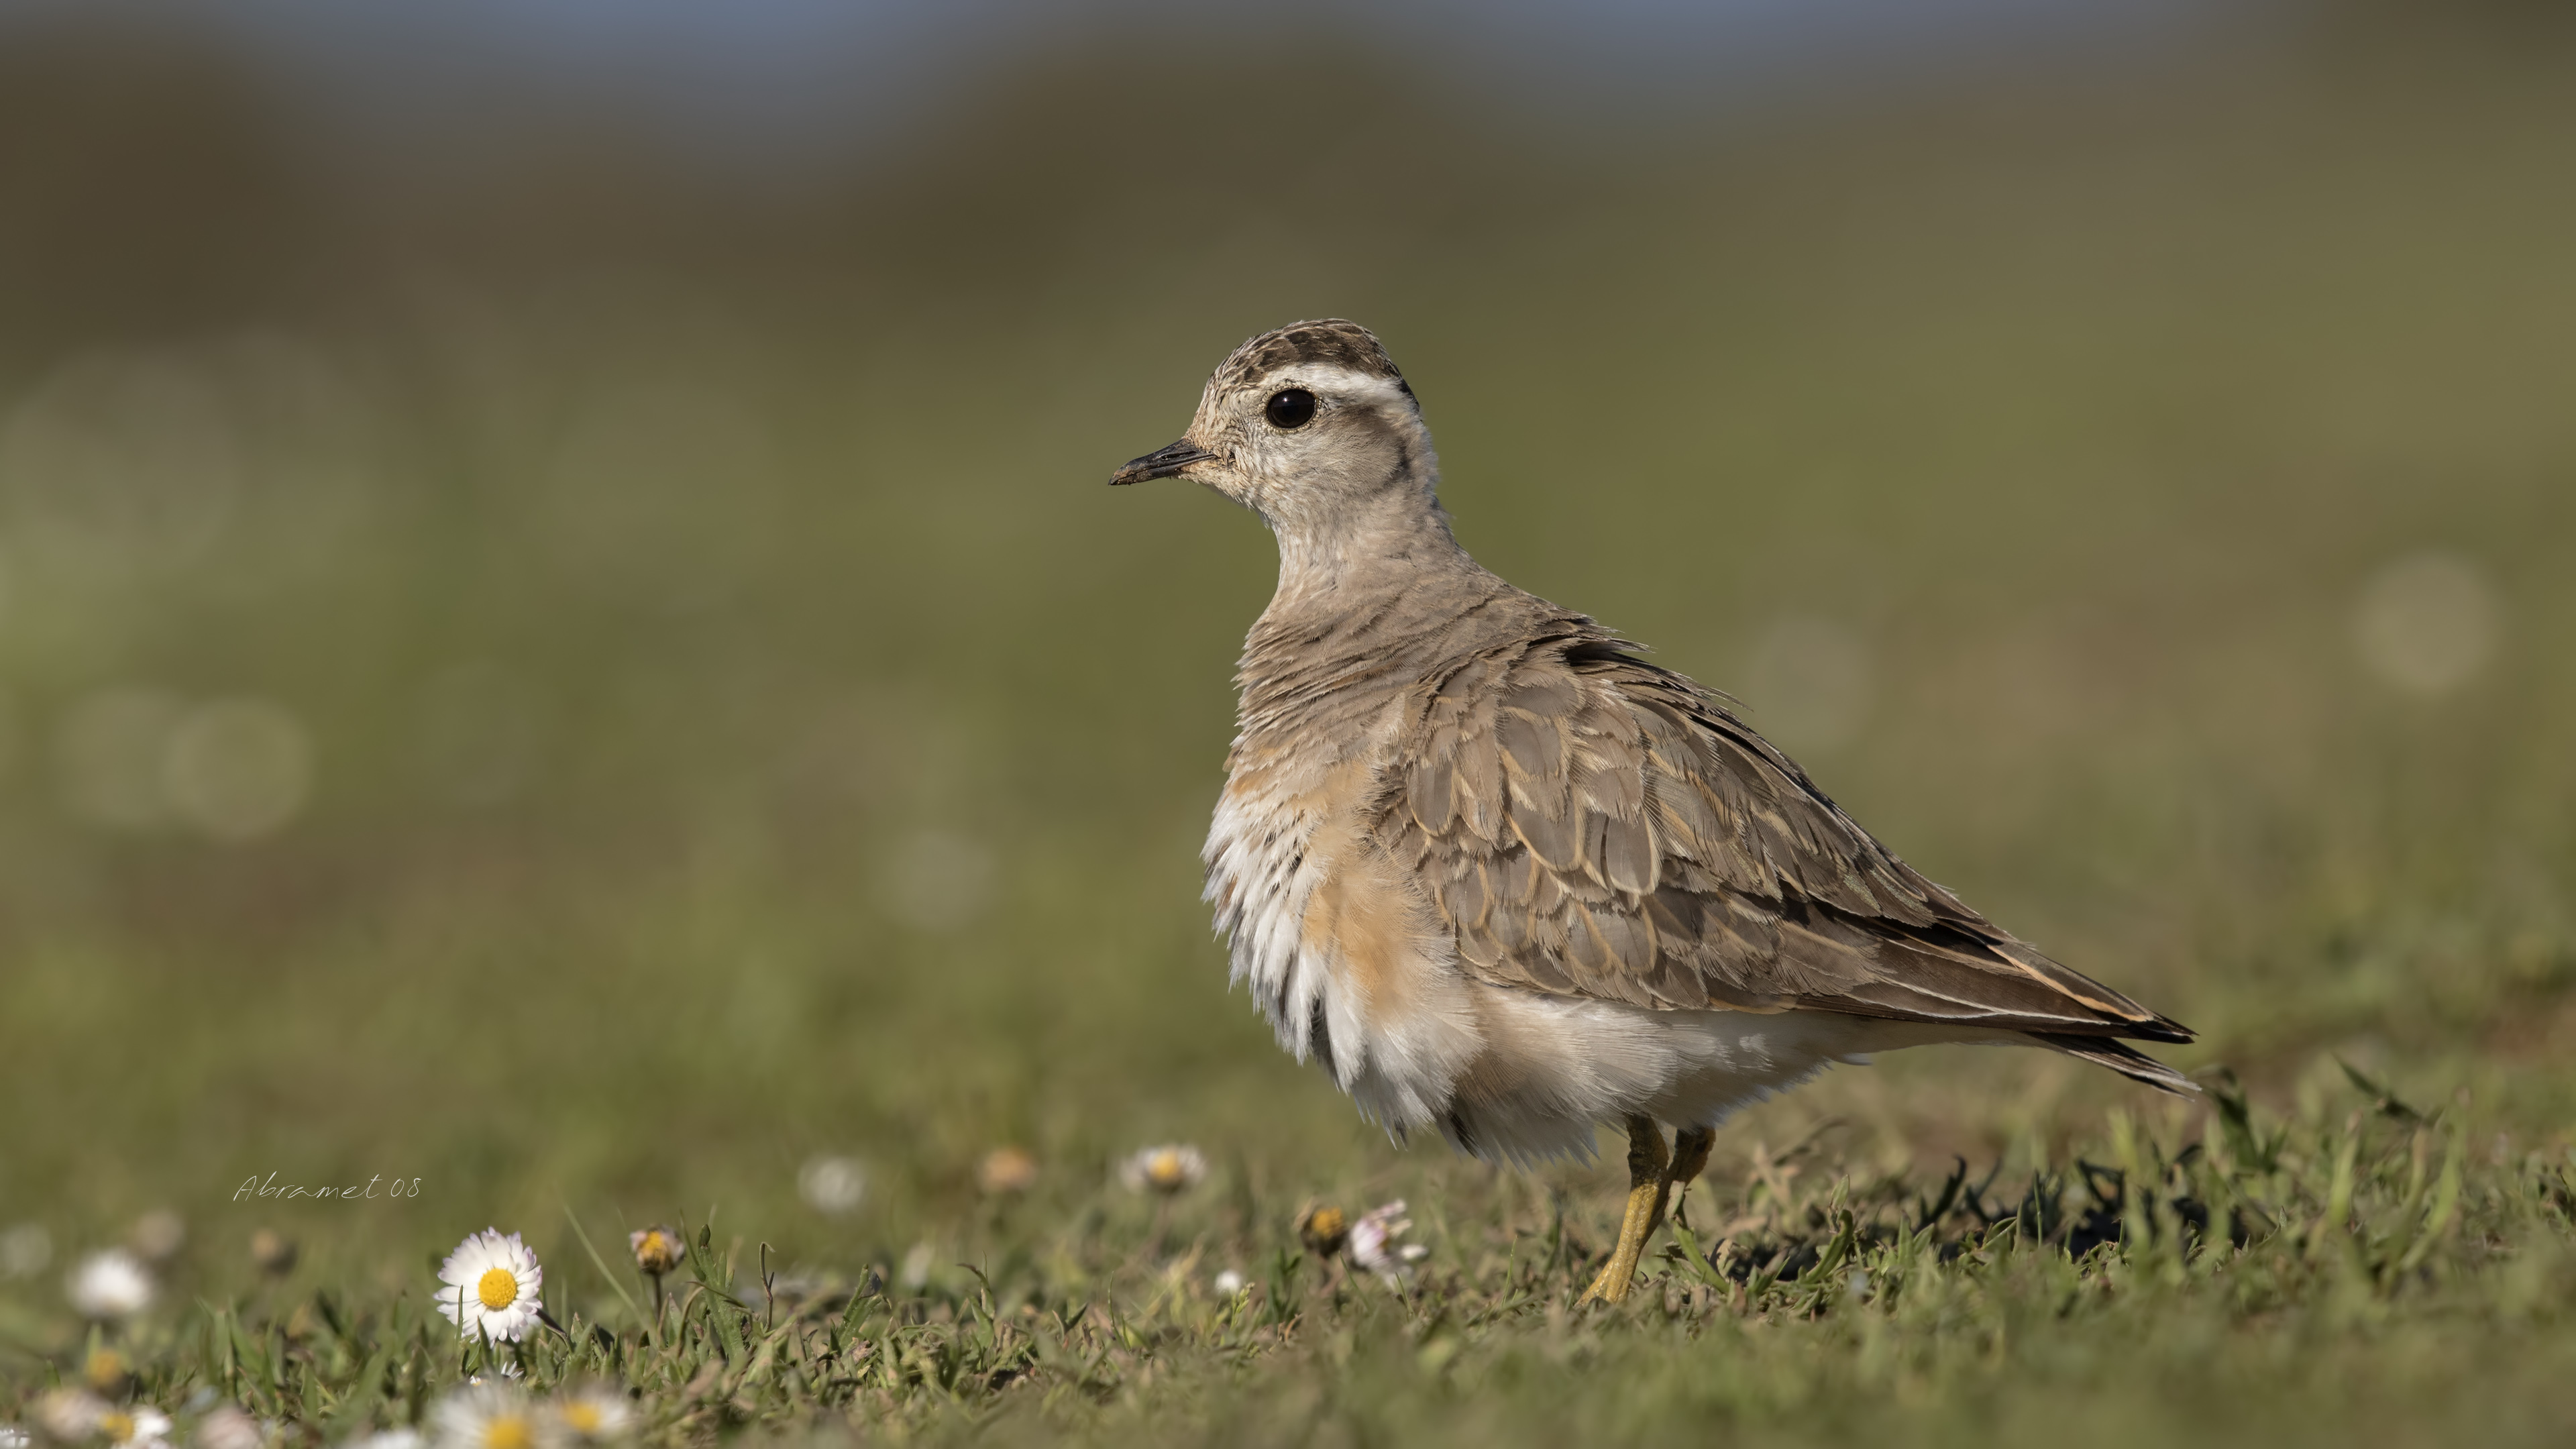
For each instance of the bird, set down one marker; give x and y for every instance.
(1507, 880)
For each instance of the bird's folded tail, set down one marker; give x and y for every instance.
(2120, 1057)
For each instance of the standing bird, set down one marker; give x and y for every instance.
(1505, 879)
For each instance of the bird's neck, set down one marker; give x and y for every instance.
(1359, 550)
(1367, 604)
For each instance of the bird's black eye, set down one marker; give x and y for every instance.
(1290, 407)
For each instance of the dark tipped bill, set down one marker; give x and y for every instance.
(1163, 462)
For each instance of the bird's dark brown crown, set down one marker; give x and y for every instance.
(1330, 341)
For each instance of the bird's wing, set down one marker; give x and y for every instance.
(1591, 825)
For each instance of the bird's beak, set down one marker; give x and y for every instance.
(1163, 462)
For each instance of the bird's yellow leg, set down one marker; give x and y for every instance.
(1690, 1159)
(1647, 1185)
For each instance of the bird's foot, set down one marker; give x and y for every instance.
(1652, 1174)
(1647, 1184)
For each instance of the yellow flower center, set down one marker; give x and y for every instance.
(498, 1289)
(117, 1425)
(508, 1431)
(581, 1416)
(1163, 1169)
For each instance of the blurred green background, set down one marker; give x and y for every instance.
(592, 666)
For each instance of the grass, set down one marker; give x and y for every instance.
(741, 728)
(2338, 1278)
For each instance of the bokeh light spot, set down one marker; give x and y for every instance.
(120, 460)
(833, 1186)
(2427, 623)
(938, 880)
(238, 769)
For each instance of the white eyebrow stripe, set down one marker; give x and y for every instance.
(1325, 378)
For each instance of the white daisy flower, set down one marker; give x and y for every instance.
(1323, 1229)
(658, 1249)
(833, 1186)
(1229, 1283)
(13, 1437)
(140, 1427)
(109, 1284)
(490, 1286)
(488, 1416)
(69, 1416)
(229, 1428)
(1373, 1246)
(1166, 1169)
(594, 1414)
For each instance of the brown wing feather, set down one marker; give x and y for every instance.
(1589, 824)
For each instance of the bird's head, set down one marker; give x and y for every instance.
(1304, 425)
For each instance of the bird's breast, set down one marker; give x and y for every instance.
(1333, 940)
